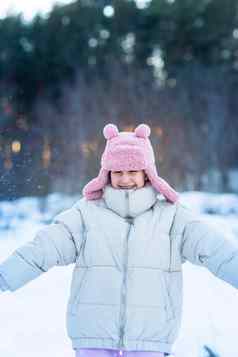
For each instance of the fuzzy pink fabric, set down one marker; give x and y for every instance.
(128, 151)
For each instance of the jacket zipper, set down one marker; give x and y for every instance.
(124, 284)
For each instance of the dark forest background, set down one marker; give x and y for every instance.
(170, 64)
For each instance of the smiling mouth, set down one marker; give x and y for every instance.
(126, 187)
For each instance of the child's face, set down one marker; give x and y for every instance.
(127, 179)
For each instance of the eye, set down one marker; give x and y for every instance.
(133, 172)
(116, 172)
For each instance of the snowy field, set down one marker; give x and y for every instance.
(32, 320)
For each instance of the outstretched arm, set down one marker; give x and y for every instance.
(207, 246)
(57, 244)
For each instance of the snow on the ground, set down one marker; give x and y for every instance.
(32, 319)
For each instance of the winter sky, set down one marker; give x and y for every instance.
(28, 8)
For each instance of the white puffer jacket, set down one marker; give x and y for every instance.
(128, 249)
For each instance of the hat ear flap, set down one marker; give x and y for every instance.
(110, 131)
(142, 131)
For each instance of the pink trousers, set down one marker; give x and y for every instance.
(95, 352)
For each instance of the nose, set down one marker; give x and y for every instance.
(125, 177)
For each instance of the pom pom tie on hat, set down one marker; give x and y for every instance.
(128, 151)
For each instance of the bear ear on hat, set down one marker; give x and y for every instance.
(110, 131)
(142, 131)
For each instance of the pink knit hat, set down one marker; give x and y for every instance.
(128, 151)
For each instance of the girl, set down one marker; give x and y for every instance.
(128, 238)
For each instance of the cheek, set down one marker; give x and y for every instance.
(114, 180)
(141, 181)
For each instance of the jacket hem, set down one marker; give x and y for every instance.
(130, 345)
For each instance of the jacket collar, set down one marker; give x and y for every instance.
(130, 202)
